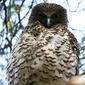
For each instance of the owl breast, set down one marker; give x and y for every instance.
(42, 55)
(53, 57)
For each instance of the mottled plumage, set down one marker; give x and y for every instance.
(46, 50)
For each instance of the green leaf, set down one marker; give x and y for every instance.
(10, 25)
(17, 8)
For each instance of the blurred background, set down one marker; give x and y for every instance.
(14, 16)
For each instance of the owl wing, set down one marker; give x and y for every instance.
(17, 69)
(75, 47)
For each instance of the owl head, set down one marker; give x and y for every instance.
(48, 15)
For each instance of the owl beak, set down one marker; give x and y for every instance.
(48, 22)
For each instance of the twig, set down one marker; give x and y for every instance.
(45, 1)
(78, 5)
(77, 29)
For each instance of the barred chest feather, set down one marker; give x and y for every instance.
(53, 57)
(41, 55)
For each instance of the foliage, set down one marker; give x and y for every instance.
(10, 16)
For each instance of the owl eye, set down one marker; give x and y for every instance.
(55, 15)
(41, 14)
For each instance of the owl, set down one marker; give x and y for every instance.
(46, 50)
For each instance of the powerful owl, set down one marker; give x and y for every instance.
(46, 51)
